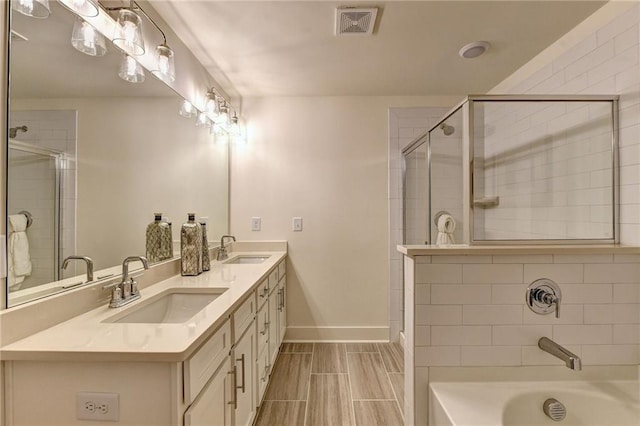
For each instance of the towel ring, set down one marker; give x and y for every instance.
(440, 213)
(29, 217)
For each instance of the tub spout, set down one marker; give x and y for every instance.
(571, 360)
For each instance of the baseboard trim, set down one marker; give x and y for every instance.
(337, 334)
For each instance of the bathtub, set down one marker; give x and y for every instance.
(598, 403)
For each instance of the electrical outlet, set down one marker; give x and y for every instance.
(256, 223)
(99, 406)
(297, 224)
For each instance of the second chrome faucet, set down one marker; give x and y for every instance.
(126, 291)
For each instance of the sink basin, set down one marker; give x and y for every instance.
(172, 306)
(247, 260)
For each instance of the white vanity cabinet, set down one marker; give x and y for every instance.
(244, 355)
(214, 404)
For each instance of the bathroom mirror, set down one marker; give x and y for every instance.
(92, 157)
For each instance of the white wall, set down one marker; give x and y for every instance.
(324, 159)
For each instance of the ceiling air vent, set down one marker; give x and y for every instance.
(350, 20)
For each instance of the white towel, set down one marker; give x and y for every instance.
(446, 226)
(19, 259)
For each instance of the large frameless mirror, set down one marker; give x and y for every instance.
(91, 158)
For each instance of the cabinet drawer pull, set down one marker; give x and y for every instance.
(234, 372)
(241, 359)
(266, 328)
(266, 373)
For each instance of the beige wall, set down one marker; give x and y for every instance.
(324, 159)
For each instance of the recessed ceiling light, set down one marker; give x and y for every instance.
(473, 50)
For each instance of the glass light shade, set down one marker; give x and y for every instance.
(220, 133)
(234, 127)
(131, 70)
(166, 67)
(128, 33)
(88, 8)
(211, 104)
(223, 116)
(86, 39)
(203, 120)
(187, 110)
(33, 8)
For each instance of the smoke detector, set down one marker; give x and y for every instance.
(352, 20)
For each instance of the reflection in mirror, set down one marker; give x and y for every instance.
(92, 158)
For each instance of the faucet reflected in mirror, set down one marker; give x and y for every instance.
(86, 259)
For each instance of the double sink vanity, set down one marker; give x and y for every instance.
(192, 350)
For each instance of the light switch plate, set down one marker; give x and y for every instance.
(297, 224)
(256, 223)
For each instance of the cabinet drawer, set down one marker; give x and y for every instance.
(273, 280)
(243, 316)
(282, 269)
(263, 373)
(200, 367)
(263, 292)
(263, 327)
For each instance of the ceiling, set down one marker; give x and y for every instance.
(285, 48)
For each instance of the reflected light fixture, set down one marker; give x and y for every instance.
(234, 127)
(223, 116)
(128, 33)
(186, 109)
(86, 39)
(203, 120)
(131, 70)
(211, 104)
(33, 8)
(165, 65)
(88, 8)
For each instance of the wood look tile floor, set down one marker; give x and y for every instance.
(335, 384)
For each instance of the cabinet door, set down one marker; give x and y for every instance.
(274, 344)
(282, 309)
(213, 405)
(245, 362)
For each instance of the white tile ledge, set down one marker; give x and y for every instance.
(463, 249)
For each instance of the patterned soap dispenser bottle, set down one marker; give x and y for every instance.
(206, 260)
(154, 245)
(191, 246)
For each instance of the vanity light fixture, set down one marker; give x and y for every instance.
(211, 105)
(186, 109)
(86, 39)
(223, 116)
(203, 120)
(88, 8)
(33, 8)
(165, 65)
(128, 33)
(131, 70)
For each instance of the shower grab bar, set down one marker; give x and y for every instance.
(29, 217)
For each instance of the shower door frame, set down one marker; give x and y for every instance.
(59, 158)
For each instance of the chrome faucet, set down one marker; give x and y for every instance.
(572, 360)
(126, 291)
(222, 251)
(86, 259)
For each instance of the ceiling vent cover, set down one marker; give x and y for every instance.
(351, 20)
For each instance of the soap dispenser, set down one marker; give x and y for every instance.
(206, 260)
(191, 246)
(159, 244)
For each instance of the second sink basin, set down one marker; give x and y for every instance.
(247, 259)
(172, 306)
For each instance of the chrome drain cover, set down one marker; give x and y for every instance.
(554, 409)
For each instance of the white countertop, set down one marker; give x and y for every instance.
(464, 249)
(87, 338)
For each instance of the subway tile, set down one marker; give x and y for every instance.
(491, 314)
(610, 354)
(617, 26)
(438, 315)
(626, 334)
(510, 335)
(439, 273)
(492, 274)
(612, 273)
(533, 355)
(422, 294)
(514, 258)
(576, 52)
(626, 258)
(490, 356)
(560, 273)
(462, 259)
(626, 293)
(595, 57)
(460, 294)
(621, 313)
(422, 335)
(583, 334)
(461, 335)
(627, 39)
(504, 294)
(584, 258)
(586, 293)
(437, 356)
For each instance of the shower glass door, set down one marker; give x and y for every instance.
(416, 191)
(34, 176)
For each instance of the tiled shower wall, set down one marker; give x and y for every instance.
(606, 61)
(405, 126)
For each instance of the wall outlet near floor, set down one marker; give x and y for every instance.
(297, 224)
(256, 223)
(99, 406)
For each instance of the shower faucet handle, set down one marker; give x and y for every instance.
(544, 296)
